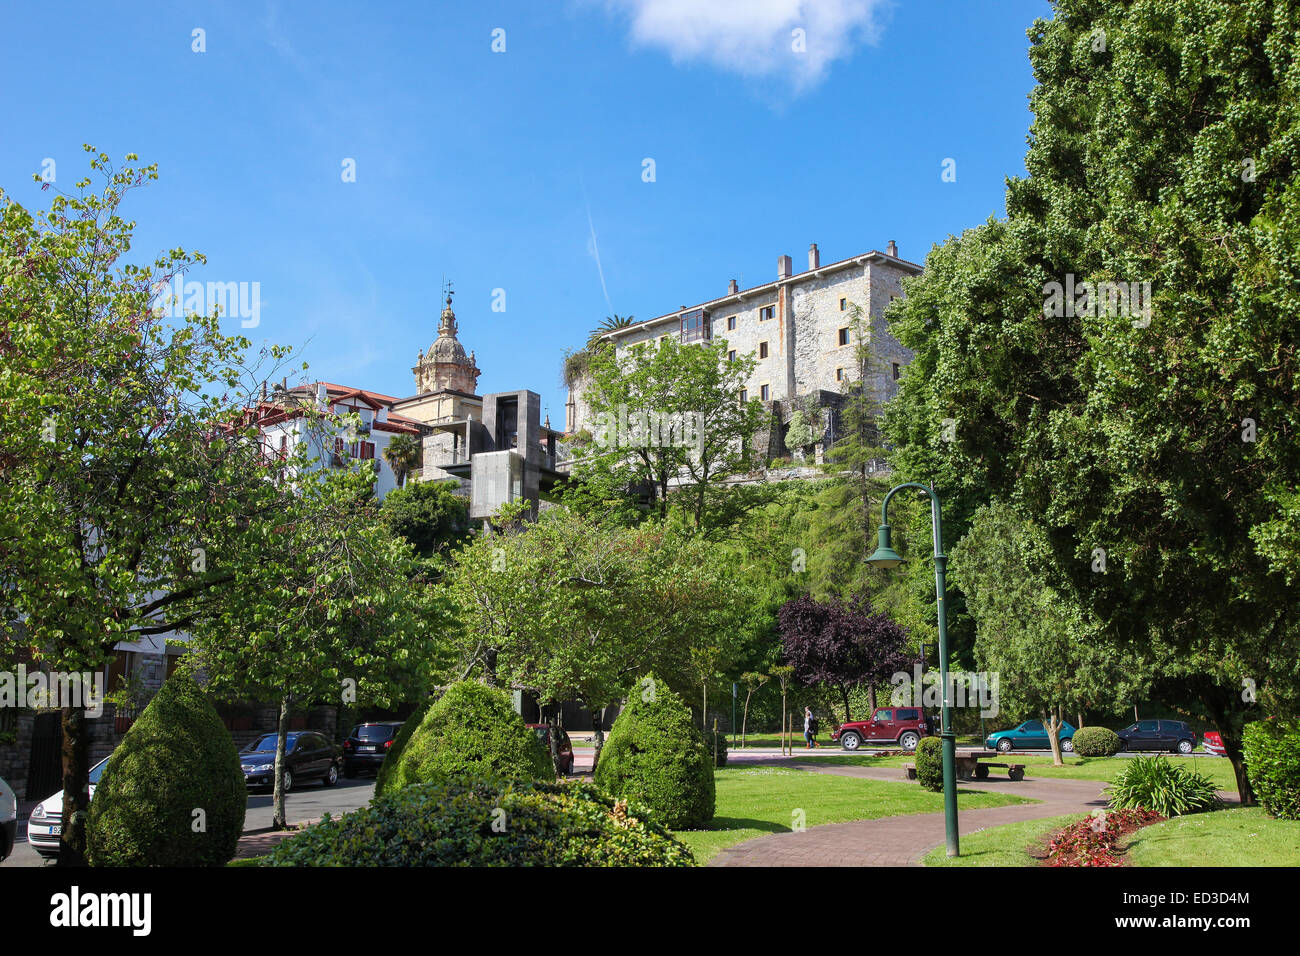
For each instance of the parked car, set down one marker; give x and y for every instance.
(1172, 735)
(367, 745)
(904, 726)
(1031, 735)
(308, 755)
(8, 819)
(564, 747)
(45, 825)
(1212, 744)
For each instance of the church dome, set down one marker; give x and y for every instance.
(446, 365)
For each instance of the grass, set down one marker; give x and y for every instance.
(1007, 845)
(1244, 836)
(754, 801)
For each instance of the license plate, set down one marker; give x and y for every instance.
(56, 831)
(366, 750)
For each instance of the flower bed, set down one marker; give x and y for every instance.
(1093, 842)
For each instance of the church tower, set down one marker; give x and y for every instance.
(445, 365)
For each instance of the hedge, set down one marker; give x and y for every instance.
(1272, 753)
(929, 763)
(656, 757)
(472, 730)
(1096, 742)
(474, 821)
(175, 768)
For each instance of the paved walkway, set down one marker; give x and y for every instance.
(904, 840)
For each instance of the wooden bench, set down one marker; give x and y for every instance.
(969, 767)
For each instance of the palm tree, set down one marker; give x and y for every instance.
(403, 456)
(611, 323)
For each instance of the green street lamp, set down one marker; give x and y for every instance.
(886, 557)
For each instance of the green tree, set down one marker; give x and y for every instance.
(403, 455)
(122, 479)
(428, 514)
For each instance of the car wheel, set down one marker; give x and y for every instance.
(1004, 745)
(908, 741)
(331, 776)
(288, 780)
(850, 741)
(1184, 746)
(1068, 745)
(1123, 746)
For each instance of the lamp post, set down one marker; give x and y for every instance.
(886, 557)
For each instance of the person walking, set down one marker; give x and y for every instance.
(809, 728)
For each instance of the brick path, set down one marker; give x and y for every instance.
(262, 842)
(904, 840)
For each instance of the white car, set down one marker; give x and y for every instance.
(8, 819)
(45, 825)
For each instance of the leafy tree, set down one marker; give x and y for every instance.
(122, 482)
(428, 515)
(753, 681)
(403, 455)
(841, 644)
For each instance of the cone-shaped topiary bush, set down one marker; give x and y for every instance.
(473, 821)
(173, 792)
(399, 744)
(929, 763)
(656, 757)
(471, 730)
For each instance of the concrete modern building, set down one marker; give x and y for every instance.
(799, 326)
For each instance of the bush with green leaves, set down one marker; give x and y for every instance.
(656, 757)
(1096, 742)
(175, 767)
(1156, 784)
(929, 763)
(1272, 752)
(398, 745)
(472, 730)
(474, 821)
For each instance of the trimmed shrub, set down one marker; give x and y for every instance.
(472, 730)
(1096, 742)
(177, 758)
(1155, 784)
(474, 821)
(1272, 752)
(656, 757)
(399, 743)
(721, 739)
(929, 763)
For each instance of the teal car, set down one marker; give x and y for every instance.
(1031, 735)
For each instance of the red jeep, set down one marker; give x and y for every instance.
(904, 726)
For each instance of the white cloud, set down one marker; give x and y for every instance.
(755, 38)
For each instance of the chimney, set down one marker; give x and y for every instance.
(322, 393)
(783, 267)
(381, 414)
(892, 248)
(732, 288)
(814, 257)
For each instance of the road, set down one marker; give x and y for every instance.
(305, 802)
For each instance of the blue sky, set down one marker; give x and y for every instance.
(519, 170)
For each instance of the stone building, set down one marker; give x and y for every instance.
(801, 329)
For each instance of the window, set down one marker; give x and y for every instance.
(843, 337)
(765, 392)
(731, 323)
(731, 356)
(907, 714)
(762, 350)
(767, 312)
(897, 371)
(839, 375)
(695, 326)
(744, 395)
(844, 305)
(885, 716)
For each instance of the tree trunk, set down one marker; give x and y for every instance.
(76, 787)
(744, 719)
(553, 722)
(1054, 718)
(598, 737)
(704, 714)
(490, 667)
(844, 696)
(278, 821)
(871, 697)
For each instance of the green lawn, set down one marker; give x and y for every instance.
(753, 801)
(1006, 845)
(1216, 769)
(1244, 836)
